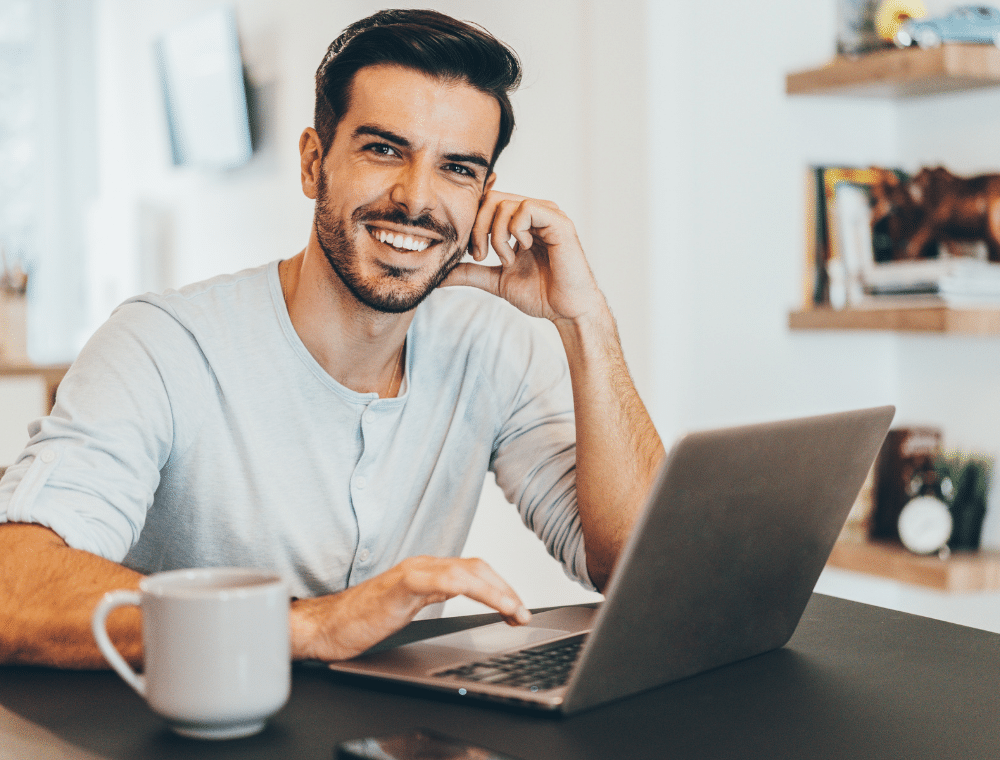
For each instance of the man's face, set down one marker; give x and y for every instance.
(401, 184)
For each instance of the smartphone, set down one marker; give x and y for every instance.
(420, 744)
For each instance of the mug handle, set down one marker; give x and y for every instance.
(111, 601)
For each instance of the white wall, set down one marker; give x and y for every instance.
(23, 399)
(739, 181)
(728, 198)
(729, 182)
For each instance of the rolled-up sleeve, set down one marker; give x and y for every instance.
(91, 468)
(534, 457)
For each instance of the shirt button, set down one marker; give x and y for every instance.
(363, 555)
(369, 417)
(360, 482)
(48, 456)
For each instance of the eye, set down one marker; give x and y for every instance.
(381, 149)
(459, 169)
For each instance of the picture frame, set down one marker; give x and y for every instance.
(204, 92)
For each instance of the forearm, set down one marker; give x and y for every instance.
(545, 274)
(618, 451)
(48, 592)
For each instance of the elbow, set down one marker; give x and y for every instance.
(599, 572)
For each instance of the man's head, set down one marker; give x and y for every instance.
(425, 41)
(412, 110)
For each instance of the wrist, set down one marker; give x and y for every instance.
(302, 630)
(593, 329)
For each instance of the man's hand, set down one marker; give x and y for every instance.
(544, 273)
(341, 626)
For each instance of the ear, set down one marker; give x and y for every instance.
(310, 159)
(488, 185)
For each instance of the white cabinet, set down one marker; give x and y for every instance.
(26, 393)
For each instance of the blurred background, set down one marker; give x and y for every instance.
(662, 127)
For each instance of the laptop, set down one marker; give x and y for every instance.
(719, 568)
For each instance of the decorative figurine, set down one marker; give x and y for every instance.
(934, 207)
(967, 23)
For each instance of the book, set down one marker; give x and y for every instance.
(839, 229)
(854, 259)
(953, 281)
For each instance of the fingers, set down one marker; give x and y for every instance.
(477, 276)
(343, 625)
(503, 216)
(434, 577)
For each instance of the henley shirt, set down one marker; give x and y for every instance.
(195, 429)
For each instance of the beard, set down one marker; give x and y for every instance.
(394, 290)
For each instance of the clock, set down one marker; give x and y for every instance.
(925, 525)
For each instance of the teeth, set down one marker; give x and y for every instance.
(405, 242)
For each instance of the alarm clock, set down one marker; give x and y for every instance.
(925, 525)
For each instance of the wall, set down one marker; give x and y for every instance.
(728, 199)
(24, 400)
(731, 177)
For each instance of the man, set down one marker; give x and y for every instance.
(332, 416)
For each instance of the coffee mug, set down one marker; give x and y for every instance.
(217, 656)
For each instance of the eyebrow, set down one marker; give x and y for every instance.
(468, 158)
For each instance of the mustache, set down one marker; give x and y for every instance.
(427, 222)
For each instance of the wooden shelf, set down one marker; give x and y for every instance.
(939, 319)
(902, 73)
(961, 572)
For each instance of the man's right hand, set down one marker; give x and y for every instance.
(341, 626)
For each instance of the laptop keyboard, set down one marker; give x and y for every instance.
(539, 668)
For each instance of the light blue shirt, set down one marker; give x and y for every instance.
(196, 429)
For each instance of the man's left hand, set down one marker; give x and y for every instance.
(544, 273)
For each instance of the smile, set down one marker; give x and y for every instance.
(401, 241)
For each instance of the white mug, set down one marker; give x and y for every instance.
(217, 656)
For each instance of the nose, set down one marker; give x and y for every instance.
(413, 190)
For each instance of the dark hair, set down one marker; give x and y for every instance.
(426, 41)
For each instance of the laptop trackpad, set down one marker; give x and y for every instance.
(498, 637)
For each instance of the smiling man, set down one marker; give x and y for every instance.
(332, 416)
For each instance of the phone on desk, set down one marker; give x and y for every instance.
(420, 744)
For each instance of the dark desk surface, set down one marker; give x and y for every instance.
(854, 682)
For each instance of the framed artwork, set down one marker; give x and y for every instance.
(204, 93)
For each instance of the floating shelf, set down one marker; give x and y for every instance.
(902, 73)
(961, 572)
(939, 319)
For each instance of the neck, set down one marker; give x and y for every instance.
(359, 348)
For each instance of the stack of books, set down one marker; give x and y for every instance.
(848, 264)
(952, 281)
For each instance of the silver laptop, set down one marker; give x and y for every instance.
(719, 568)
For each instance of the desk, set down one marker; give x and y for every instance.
(855, 681)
